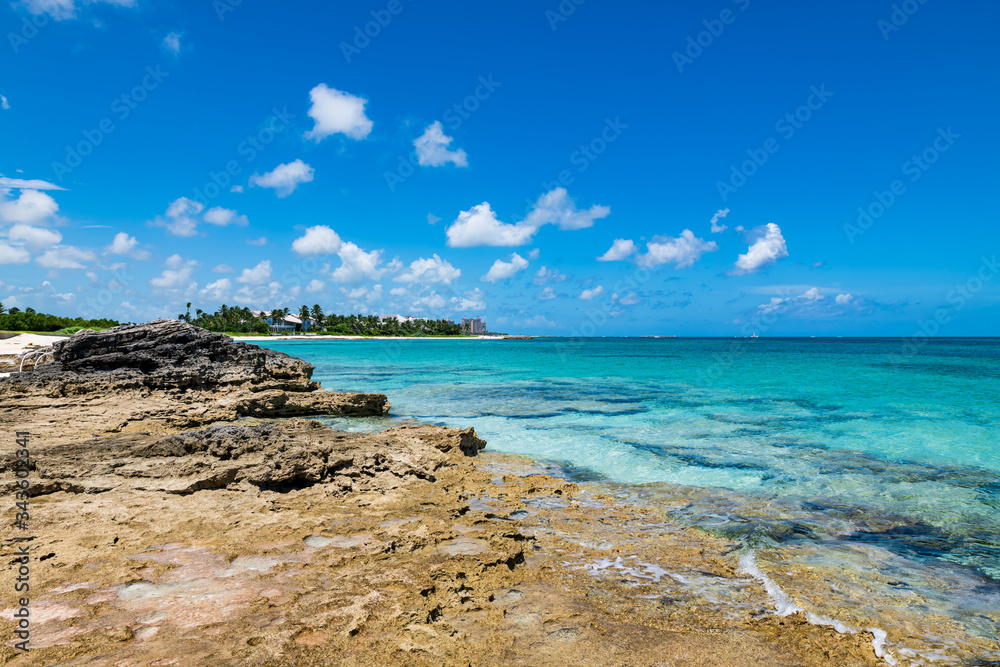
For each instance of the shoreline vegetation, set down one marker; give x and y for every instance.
(243, 321)
(187, 499)
(29, 321)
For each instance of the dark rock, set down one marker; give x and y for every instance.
(169, 354)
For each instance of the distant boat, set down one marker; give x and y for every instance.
(755, 335)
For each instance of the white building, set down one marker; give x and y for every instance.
(399, 318)
(288, 323)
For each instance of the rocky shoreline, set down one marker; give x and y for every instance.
(186, 511)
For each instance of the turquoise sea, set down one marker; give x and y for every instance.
(864, 474)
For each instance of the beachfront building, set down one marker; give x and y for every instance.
(473, 326)
(402, 319)
(285, 324)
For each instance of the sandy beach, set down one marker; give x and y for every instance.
(12, 347)
(20, 343)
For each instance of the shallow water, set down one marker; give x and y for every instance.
(870, 473)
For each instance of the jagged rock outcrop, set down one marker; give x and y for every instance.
(164, 376)
(170, 355)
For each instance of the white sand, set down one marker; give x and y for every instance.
(26, 341)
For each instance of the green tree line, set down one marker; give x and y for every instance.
(242, 320)
(16, 319)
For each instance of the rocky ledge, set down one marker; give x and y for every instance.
(165, 375)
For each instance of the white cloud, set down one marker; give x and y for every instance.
(315, 286)
(357, 265)
(61, 10)
(557, 208)
(224, 216)
(630, 299)
(399, 291)
(546, 294)
(619, 250)
(534, 254)
(123, 244)
(318, 240)
(480, 226)
(545, 275)
(800, 303)
(774, 304)
(223, 268)
(811, 295)
(218, 290)
(721, 213)
(29, 184)
(34, 238)
(180, 218)
(236, 188)
(844, 299)
(470, 301)
(502, 270)
(366, 294)
(432, 148)
(337, 112)
(262, 241)
(4, 104)
(252, 295)
(432, 219)
(172, 42)
(284, 178)
(433, 301)
(13, 255)
(593, 293)
(429, 271)
(682, 251)
(767, 249)
(177, 273)
(258, 275)
(65, 257)
(30, 207)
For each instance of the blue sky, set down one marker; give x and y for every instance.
(552, 167)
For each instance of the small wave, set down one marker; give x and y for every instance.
(784, 606)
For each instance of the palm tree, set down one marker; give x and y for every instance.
(317, 315)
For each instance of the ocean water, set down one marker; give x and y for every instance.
(863, 474)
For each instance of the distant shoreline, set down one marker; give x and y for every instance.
(305, 339)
